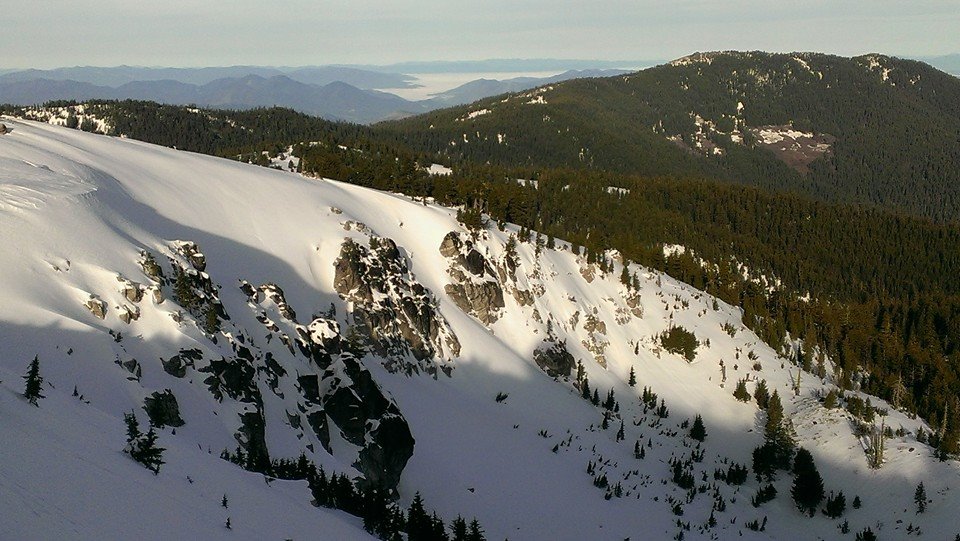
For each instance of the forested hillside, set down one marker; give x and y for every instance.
(870, 129)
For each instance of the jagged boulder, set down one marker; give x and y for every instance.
(132, 291)
(482, 300)
(554, 359)
(474, 263)
(475, 288)
(162, 409)
(403, 316)
(450, 246)
(128, 314)
(96, 306)
(177, 365)
(366, 418)
(157, 295)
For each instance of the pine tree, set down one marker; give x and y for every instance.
(419, 526)
(34, 382)
(150, 454)
(459, 529)
(920, 498)
(777, 433)
(741, 393)
(807, 488)
(836, 505)
(698, 431)
(224, 503)
(133, 430)
(476, 532)
(632, 380)
(143, 447)
(211, 321)
(761, 395)
(620, 435)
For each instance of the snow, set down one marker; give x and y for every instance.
(474, 114)
(75, 211)
(438, 169)
(772, 135)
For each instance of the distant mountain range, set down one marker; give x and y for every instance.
(333, 92)
(949, 63)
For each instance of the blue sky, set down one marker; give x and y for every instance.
(52, 33)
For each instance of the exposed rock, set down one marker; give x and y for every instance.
(3, 128)
(522, 296)
(163, 410)
(251, 436)
(403, 316)
(128, 314)
(132, 366)
(593, 324)
(474, 263)
(176, 366)
(96, 306)
(588, 272)
(450, 246)
(192, 253)
(475, 288)
(132, 291)
(633, 302)
(554, 359)
(150, 267)
(366, 418)
(483, 300)
(157, 294)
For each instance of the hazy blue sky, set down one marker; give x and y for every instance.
(50, 33)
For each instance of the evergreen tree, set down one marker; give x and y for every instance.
(698, 431)
(476, 532)
(807, 488)
(34, 382)
(776, 432)
(632, 380)
(920, 498)
(620, 435)
(133, 430)
(143, 447)
(459, 529)
(836, 505)
(419, 525)
(741, 393)
(761, 395)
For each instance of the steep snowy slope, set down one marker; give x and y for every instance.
(370, 332)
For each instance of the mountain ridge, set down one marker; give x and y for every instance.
(339, 252)
(733, 116)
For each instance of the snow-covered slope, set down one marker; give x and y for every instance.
(265, 357)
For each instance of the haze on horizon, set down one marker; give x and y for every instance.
(57, 33)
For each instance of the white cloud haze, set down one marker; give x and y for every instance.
(51, 33)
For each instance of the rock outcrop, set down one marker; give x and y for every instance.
(553, 358)
(396, 313)
(162, 409)
(475, 288)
